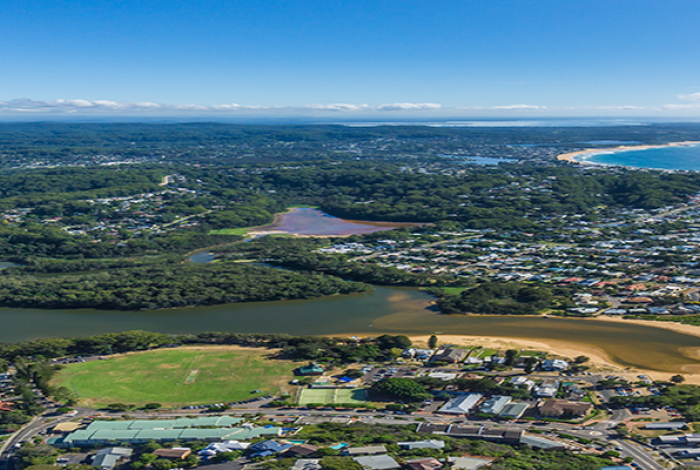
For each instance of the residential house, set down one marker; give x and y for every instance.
(495, 404)
(106, 459)
(449, 355)
(469, 463)
(424, 464)
(377, 462)
(267, 449)
(547, 389)
(554, 365)
(555, 408)
(367, 450)
(301, 450)
(176, 453)
(461, 405)
(513, 410)
(307, 464)
(429, 444)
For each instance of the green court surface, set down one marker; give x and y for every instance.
(333, 395)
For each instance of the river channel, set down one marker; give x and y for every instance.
(384, 310)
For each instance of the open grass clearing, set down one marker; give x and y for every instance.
(182, 376)
(230, 231)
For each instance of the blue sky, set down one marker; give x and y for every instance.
(352, 57)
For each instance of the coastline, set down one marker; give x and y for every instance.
(571, 157)
(599, 360)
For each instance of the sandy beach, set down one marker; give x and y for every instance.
(599, 362)
(571, 157)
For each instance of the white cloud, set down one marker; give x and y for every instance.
(519, 106)
(620, 107)
(62, 106)
(690, 97)
(681, 106)
(407, 106)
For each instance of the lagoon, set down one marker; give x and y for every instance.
(313, 222)
(383, 310)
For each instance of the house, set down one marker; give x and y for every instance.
(424, 464)
(267, 449)
(301, 450)
(547, 389)
(554, 365)
(513, 410)
(429, 444)
(555, 408)
(468, 463)
(176, 453)
(367, 450)
(539, 442)
(449, 355)
(4, 406)
(522, 382)
(311, 369)
(494, 404)
(307, 464)
(377, 462)
(461, 405)
(106, 459)
(217, 447)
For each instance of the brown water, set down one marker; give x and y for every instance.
(385, 310)
(306, 221)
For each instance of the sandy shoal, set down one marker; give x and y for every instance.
(599, 361)
(571, 156)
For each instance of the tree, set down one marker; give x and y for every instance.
(399, 389)
(678, 379)
(162, 464)
(582, 359)
(530, 363)
(433, 342)
(339, 463)
(511, 357)
(227, 456)
(389, 342)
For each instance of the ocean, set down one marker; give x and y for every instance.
(663, 158)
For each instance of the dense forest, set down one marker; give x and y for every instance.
(506, 298)
(168, 286)
(197, 184)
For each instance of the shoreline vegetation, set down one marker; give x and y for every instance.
(573, 157)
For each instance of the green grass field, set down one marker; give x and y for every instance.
(180, 376)
(230, 231)
(333, 395)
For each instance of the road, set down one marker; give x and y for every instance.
(642, 455)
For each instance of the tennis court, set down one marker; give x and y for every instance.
(333, 395)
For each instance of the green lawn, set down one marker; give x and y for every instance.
(180, 376)
(230, 231)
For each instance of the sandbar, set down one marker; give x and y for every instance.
(599, 362)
